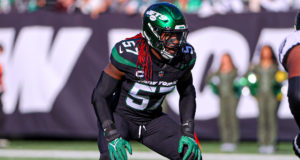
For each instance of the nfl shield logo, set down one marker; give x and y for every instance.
(139, 74)
(160, 74)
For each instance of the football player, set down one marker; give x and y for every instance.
(289, 56)
(143, 69)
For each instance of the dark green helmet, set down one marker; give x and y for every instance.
(162, 18)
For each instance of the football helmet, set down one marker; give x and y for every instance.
(164, 29)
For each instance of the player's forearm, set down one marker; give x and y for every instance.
(187, 106)
(105, 88)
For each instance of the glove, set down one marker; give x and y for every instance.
(117, 149)
(193, 147)
(116, 145)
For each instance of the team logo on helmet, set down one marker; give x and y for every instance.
(154, 15)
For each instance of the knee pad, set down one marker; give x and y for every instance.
(294, 97)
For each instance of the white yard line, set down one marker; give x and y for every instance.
(247, 157)
(15, 153)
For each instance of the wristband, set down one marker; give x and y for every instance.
(187, 128)
(110, 130)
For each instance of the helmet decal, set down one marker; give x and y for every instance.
(154, 15)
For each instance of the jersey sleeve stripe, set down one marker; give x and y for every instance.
(120, 59)
(191, 63)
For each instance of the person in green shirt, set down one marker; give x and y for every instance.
(223, 84)
(262, 77)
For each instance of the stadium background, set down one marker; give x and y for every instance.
(52, 61)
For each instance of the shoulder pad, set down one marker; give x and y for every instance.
(188, 49)
(287, 45)
(189, 56)
(125, 53)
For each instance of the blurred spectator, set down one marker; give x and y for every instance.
(129, 7)
(92, 7)
(138, 6)
(254, 5)
(46, 4)
(3, 142)
(111, 6)
(295, 4)
(1, 84)
(24, 5)
(206, 9)
(67, 6)
(203, 8)
(263, 85)
(275, 5)
(224, 85)
(29, 5)
(118, 5)
(5, 6)
(188, 6)
(211, 7)
(169, 1)
(269, 5)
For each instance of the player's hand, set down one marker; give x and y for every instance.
(193, 147)
(117, 149)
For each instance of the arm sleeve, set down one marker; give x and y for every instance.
(294, 97)
(187, 104)
(104, 91)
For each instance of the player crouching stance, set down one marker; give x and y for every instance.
(142, 71)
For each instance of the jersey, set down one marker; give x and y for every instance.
(140, 99)
(287, 45)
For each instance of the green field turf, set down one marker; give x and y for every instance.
(283, 148)
(207, 146)
(53, 145)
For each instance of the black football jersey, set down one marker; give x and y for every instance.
(140, 99)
